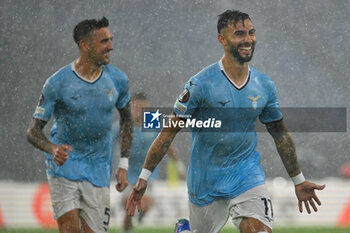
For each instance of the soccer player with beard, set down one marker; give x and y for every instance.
(79, 155)
(225, 176)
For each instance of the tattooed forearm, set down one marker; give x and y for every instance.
(36, 136)
(285, 146)
(157, 152)
(125, 131)
(159, 147)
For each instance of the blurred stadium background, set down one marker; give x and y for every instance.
(302, 45)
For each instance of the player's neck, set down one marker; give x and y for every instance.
(87, 69)
(237, 72)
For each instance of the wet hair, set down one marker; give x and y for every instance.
(230, 16)
(86, 27)
(139, 96)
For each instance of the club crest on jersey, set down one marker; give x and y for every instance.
(184, 96)
(254, 101)
(110, 93)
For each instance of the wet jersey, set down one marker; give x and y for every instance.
(224, 163)
(141, 142)
(83, 115)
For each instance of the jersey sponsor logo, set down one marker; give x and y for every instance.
(254, 101)
(184, 96)
(151, 120)
(39, 110)
(110, 93)
(41, 100)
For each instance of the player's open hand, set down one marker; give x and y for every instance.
(135, 197)
(60, 153)
(122, 179)
(306, 194)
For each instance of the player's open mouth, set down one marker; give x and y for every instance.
(245, 48)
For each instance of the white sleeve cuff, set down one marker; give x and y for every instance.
(145, 174)
(298, 179)
(123, 163)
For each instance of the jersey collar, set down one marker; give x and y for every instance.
(84, 79)
(238, 87)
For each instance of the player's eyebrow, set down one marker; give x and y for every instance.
(107, 39)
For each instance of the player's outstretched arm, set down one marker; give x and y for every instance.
(154, 155)
(304, 190)
(37, 138)
(125, 139)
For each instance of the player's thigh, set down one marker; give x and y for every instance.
(95, 207)
(253, 208)
(64, 194)
(85, 227)
(210, 218)
(69, 222)
(252, 225)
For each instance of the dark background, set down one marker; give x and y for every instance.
(302, 45)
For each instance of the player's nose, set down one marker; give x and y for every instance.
(110, 46)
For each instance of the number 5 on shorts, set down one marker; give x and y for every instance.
(107, 212)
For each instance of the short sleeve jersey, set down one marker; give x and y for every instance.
(225, 163)
(83, 114)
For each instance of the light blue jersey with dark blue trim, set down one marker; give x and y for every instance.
(224, 163)
(83, 115)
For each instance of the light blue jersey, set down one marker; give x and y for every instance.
(83, 114)
(141, 142)
(224, 163)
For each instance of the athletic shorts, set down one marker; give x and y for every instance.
(93, 201)
(254, 203)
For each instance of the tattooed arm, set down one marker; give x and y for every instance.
(37, 138)
(159, 148)
(285, 146)
(305, 191)
(125, 140)
(155, 154)
(125, 131)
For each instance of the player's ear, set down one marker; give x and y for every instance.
(84, 45)
(221, 39)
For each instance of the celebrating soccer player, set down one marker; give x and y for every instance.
(79, 156)
(225, 177)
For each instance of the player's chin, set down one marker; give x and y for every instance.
(246, 58)
(105, 61)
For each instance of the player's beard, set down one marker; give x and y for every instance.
(235, 53)
(98, 58)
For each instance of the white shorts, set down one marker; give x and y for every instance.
(93, 201)
(254, 203)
